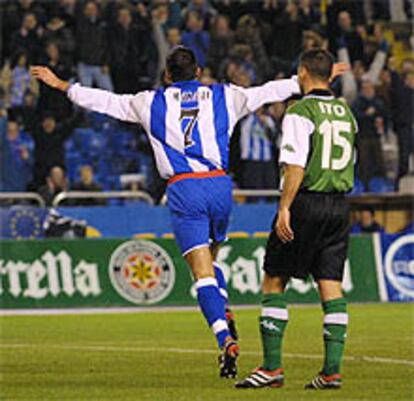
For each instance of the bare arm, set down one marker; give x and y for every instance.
(117, 106)
(294, 150)
(293, 177)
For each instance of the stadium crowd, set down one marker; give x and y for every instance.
(48, 146)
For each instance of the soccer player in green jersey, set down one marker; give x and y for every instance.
(311, 229)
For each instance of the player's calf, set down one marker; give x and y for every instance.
(222, 285)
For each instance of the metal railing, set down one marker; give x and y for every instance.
(256, 193)
(30, 196)
(388, 200)
(59, 198)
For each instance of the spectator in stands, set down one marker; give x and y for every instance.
(166, 13)
(87, 183)
(371, 72)
(12, 17)
(15, 160)
(372, 120)
(222, 40)
(51, 99)
(309, 14)
(243, 56)
(366, 222)
(287, 25)
(348, 37)
(195, 37)
(132, 59)
(49, 138)
(402, 96)
(56, 183)
(163, 41)
(16, 80)
(67, 10)
(28, 38)
(248, 33)
(173, 37)
(26, 115)
(257, 148)
(207, 77)
(92, 48)
(205, 9)
(57, 32)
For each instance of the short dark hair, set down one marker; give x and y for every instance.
(318, 62)
(182, 64)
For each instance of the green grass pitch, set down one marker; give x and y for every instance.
(162, 356)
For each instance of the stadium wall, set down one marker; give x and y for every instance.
(137, 272)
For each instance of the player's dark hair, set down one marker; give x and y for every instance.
(318, 63)
(182, 64)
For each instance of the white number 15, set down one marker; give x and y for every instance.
(331, 131)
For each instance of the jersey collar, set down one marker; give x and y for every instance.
(320, 94)
(185, 84)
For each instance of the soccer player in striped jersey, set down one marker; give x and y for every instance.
(189, 126)
(311, 229)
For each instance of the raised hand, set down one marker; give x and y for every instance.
(339, 69)
(47, 76)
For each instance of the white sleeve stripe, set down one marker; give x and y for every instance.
(206, 129)
(230, 109)
(163, 164)
(173, 134)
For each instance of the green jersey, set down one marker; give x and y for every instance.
(318, 133)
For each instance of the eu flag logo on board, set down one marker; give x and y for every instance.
(26, 223)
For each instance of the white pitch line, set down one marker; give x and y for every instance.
(141, 309)
(106, 348)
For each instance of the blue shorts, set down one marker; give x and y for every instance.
(200, 210)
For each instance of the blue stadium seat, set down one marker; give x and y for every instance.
(113, 183)
(380, 185)
(102, 122)
(70, 145)
(121, 141)
(73, 160)
(359, 187)
(90, 142)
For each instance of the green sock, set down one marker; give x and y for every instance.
(334, 334)
(273, 322)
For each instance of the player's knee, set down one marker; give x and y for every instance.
(273, 285)
(201, 263)
(330, 289)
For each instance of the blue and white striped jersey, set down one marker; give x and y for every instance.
(255, 143)
(189, 124)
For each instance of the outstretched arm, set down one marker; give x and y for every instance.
(248, 100)
(122, 107)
